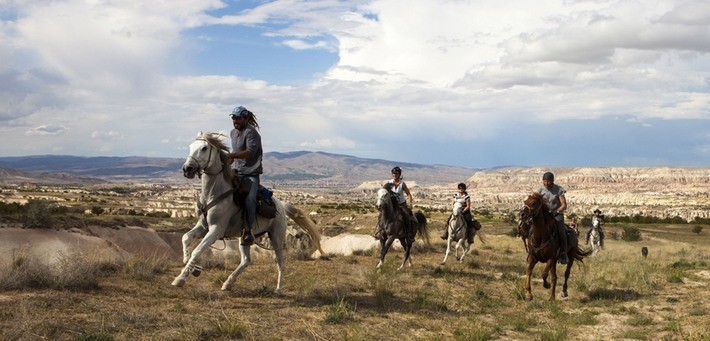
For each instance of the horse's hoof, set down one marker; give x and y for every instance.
(196, 272)
(178, 282)
(528, 297)
(546, 285)
(226, 287)
(564, 294)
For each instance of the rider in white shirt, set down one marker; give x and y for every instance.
(464, 199)
(599, 218)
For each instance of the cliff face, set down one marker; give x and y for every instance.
(654, 191)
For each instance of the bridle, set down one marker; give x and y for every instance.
(201, 169)
(526, 219)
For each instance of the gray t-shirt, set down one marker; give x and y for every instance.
(552, 197)
(247, 139)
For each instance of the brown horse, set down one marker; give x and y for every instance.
(539, 232)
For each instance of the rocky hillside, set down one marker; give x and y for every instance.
(654, 191)
(294, 169)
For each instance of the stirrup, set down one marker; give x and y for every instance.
(247, 238)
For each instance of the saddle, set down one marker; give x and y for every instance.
(265, 205)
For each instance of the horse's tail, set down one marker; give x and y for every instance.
(305, 223)
(580, 254)
(423, 227)
(481, 236)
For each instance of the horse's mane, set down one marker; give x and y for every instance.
(544, 208)
(393, 198)
(215, 139)
(537, 197)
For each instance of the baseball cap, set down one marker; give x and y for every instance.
(239, 111)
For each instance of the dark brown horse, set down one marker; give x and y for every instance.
(394, 224)
(539, 231)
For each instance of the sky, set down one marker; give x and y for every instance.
(476, 84)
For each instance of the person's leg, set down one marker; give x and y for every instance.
(589, 233)
(445, 236)
(253, 183)
(469, 226)
(562, 231)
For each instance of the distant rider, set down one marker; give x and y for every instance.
(599, 218)
(554, 195)
(462, 197)
(246, 158)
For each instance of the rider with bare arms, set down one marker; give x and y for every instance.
(246, 158)
(465, 199)
(554, 196)
(399, 188)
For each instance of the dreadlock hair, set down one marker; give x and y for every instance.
(251, 119)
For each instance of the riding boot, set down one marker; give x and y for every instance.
(469, 234)
(247, 237)
(378, 234)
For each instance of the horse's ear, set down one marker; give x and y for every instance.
(199, 134)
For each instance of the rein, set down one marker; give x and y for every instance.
(206, 207)
(201, 169)
(528, 219)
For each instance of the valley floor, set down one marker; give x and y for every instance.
(616, 294)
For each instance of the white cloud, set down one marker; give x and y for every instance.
(106, 135)
(330, 143)
(456, 71)
(46, 130)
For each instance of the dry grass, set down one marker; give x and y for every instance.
(615, 295)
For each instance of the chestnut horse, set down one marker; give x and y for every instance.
(539, 231)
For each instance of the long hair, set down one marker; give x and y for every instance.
(251, 119)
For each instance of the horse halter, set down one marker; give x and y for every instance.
(201, 169)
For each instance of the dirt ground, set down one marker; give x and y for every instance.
(614, 295)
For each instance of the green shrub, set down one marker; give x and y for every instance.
(631, 234)
(38, 213)
(697, 229)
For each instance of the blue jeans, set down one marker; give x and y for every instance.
(252, 183)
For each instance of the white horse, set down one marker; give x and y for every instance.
(219, 216)
(457, 233)
(595, 237)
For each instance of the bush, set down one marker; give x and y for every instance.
(631, 234)
(96, 210)
(697, 229)
(38, 213)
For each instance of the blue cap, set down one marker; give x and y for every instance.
(239, 111)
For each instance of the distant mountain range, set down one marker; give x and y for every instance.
(302, 168)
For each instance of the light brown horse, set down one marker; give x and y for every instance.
(539, 231)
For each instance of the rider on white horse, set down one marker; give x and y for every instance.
(599, 219)
(246, 158)
(464, 199)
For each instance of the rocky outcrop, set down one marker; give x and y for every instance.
(628, 191)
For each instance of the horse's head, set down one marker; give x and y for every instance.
(206, 154)
(458, 208)
(532, 206)
(383, 198)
